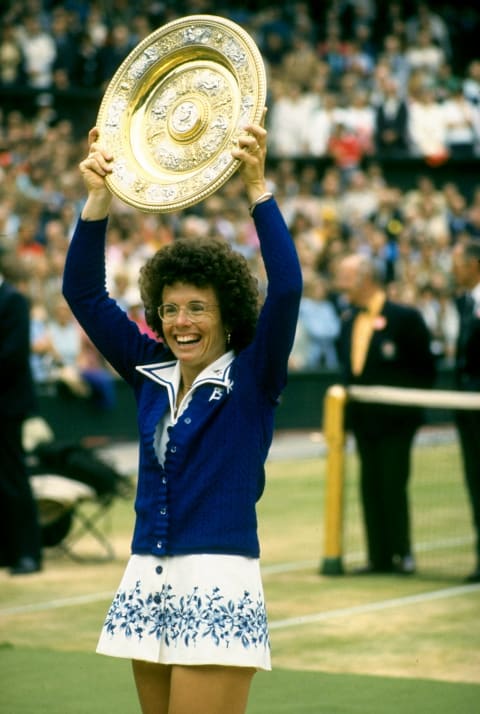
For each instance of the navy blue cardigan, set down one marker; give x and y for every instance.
(202, 500)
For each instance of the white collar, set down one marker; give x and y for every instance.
(168, 375)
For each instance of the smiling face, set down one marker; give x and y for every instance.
(196, 344)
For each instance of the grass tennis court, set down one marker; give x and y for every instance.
(78, 683)
(373, 645)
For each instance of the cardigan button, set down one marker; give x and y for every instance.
(188, 420)
(159, 545)
(173, 449)
(163, 511)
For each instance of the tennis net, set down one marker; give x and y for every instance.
(441, 522)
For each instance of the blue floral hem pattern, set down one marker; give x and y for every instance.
(188, 618)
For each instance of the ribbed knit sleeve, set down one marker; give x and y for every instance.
(107, 325)
(278, 317)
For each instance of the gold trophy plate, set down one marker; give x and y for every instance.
(174, 109)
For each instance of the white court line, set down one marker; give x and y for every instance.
(276, 624)
(373, 607)
(276, 568)
(96, 597)
(423, 547)
(54, 604)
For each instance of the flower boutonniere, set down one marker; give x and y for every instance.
(379, 322)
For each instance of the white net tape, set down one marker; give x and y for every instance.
(436, 398)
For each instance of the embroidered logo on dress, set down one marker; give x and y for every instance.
(216, 394)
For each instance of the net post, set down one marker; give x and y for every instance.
(333, 427)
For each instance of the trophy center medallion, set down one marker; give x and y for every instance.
(187, 120)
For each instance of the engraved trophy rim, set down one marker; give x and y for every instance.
(174, 109)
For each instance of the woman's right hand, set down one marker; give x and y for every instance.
(94, 168)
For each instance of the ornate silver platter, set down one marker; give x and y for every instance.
(174, 109)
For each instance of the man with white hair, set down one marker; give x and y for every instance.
(382, 343)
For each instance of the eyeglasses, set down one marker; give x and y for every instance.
(194, 310)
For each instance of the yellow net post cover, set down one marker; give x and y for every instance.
(333, 426)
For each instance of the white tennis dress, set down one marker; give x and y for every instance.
(189, 609)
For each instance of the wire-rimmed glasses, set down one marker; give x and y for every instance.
(194, 310)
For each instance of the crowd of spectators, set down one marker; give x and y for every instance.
(349, 84)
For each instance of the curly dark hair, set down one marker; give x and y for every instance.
(204, 262)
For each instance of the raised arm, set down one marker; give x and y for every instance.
(278, 318)
(84, 282)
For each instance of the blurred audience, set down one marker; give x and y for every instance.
(318, 328)
(350, 84)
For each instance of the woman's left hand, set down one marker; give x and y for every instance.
(252, 151)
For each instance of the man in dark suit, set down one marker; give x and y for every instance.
(466, 269)
(391, 121)
(382, 343)
(20, 548)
